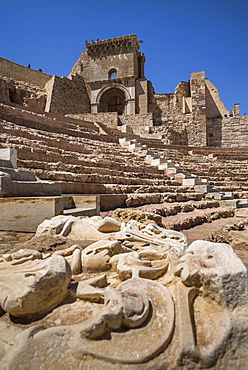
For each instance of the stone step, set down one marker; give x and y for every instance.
(60, 142)
(49, 154)
(102, 178)
(184, 221)
(110, 161)
(92, 168)
(77, 212)
(50, 118)
(117, 188)
(7, 121)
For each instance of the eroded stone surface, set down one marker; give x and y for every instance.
(33, 287)
(142, 300)
(72, 227)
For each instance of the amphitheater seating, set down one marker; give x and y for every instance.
(73, 153)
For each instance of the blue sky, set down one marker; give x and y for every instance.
(179, 37)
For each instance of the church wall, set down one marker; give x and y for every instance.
(96, 68)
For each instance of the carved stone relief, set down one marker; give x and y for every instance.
(156, 303)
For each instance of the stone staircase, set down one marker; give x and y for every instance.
(81, 160)
(183, 173)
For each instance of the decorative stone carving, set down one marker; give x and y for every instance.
(72, 227)
(159, 303)
(33, 287)
(216, 270)
(144, 237)
(97, 256)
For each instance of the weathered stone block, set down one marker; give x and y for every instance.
(9, 154)
(191, 181)
(25, 214)
(229, 203)
(203, 188)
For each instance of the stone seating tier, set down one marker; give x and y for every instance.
(90, 164)
(76, 155)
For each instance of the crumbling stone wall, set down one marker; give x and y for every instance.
(215, 108)
(66, 95)
(170, 120)
(192, 115)
(169, 107)
(22, 93)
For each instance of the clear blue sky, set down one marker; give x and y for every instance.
(179, 37)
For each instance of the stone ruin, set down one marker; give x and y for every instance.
(107, 84)
(137, 298)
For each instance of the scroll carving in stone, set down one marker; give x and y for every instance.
(154, 301)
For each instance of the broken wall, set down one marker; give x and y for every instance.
(23, 93)
(66, 95)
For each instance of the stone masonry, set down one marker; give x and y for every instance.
(107, 85)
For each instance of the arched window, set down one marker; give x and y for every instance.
(112, 73)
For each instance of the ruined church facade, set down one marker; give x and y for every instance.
(107, 85)
(113, 70)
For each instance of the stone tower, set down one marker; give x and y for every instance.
(113, 71)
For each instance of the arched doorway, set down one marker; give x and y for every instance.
(112, 100)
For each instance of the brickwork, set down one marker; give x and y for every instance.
(235, 132)
(214, 132)
(66, 96)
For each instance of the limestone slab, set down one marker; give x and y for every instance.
(229, 203)
(9, 154)
(25, 214)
